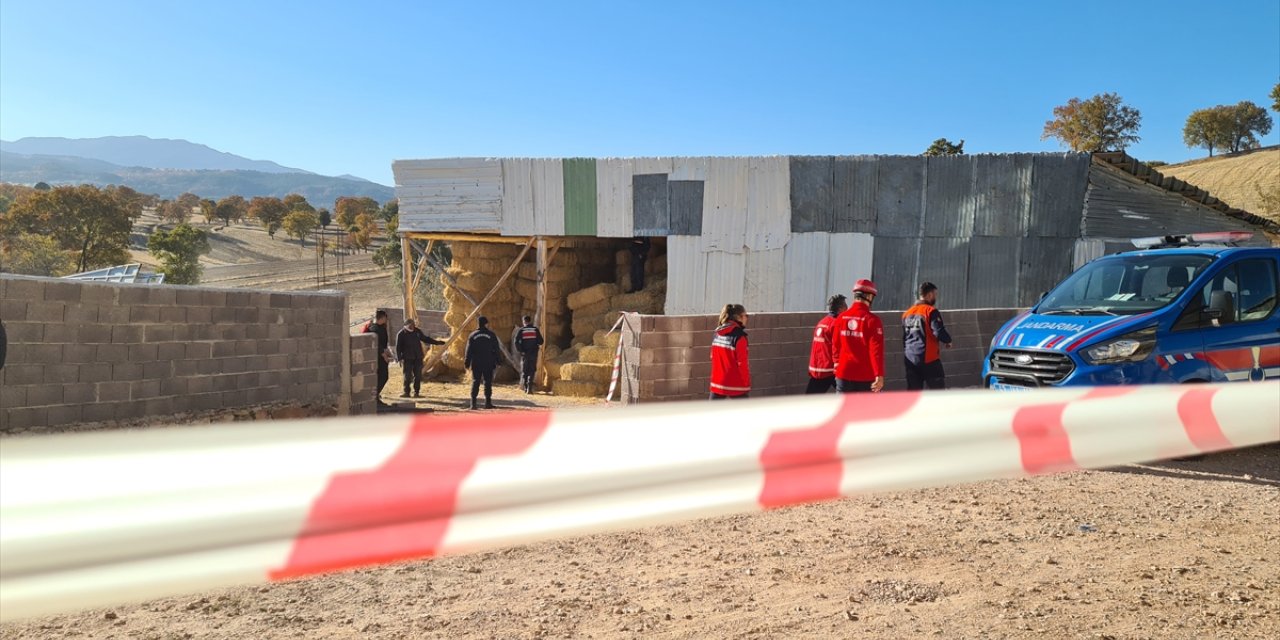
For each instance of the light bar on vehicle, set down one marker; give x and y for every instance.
(1187, 239)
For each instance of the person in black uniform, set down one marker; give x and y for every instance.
(526, 340)
(482, 357)
(410, 352)
(639, 253)
(379, 328)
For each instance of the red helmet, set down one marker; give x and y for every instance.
(865, 286)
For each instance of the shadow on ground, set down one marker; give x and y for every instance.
(1258, 465)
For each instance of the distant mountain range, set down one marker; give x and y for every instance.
(169, 168)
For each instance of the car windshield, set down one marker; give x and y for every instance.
(1124, 285)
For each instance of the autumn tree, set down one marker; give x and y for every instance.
(299, 223)
(92, 224)
(34, 254)
(1275, 98)
(1247, 120)
(295, 202)
(1101, 123)
(347, 209)
(270, 212)
(1209, 128)
(231, 208)
(364, 232)
(179, 252)
(208, 209)
(944, 147)
(174, 211)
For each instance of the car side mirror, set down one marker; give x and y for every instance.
(1222, 307)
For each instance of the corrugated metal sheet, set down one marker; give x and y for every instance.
(724, 214)
(652, 165)
(993, 272)
(851, 257)
(854, 198)
(894, 271)
(948, 200)
(690, 168)
(1001, 194)
(548, 197)
(945, 262)
(613, 198)
(650, 209)
(725, 281)
(899, 196)
(805, 261)
(1044, 263)
(686, 198)
(764, 286)
(517, 197)
(449, 194)
(1120, 206)
(1087, 250)
(811, 190)
(686, 275)
(1058, 184)
(768, 223)
(580, 196)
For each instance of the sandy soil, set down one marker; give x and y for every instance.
(1170, 550)
(1234, 179)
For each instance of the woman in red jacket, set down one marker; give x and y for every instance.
(730, 372)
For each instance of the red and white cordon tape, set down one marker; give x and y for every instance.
(617, 359)
(100, 518)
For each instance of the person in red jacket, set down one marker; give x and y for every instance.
(859, 343)
(730, 371)
(822, 366)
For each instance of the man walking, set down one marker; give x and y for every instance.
(922, 331)
(526, 340)
(482, 357)
(379, 327)
(822, 365)
(859, 343)
(410, 352)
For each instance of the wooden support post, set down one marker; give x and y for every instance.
(453, 282)
(540, 308)
(480, 305)
(406, 274)
(422, 263)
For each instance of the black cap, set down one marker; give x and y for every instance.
(484, 322)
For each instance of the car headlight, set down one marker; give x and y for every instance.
(1131, 347)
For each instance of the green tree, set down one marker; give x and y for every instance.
(34, 254)
(1154, 164)
(299, 224)
(270, 212)
(1209, 128)
(388, 257)
(326, 218)
(944, 147)
(93, 224)
(296, 201)
(179, 252)
(1275, 98)
(231, 208)
(1101, 123)
(43, 186)
(208, 209)
(392, 208)
(1248, 119)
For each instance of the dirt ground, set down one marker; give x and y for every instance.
(1171, 550)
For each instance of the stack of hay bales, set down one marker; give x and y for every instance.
(477, 266)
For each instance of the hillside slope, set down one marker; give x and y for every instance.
(141, 151)
(1234, 179)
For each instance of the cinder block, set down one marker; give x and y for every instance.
(199, 384)
(98, 412)
(24, 288)
(80, 313)
(130, 410)
(209, 367)
(171, 351)
(95, 372)
(113, 391)
(198, 350)
(186, 367)
(173, 315)
(48, 312)
(281, 301)
(12, 395)
(246, 348)
(110, 353)
(65, 414)
(79, 353)
(188, 297)
(157, 333)
(256, 332)
(25, 417)
(12, 310)
(223, 315)
(247, 315)
(60, 373)
(126, 334)
(205, 332)
(234, 399)
(144, 315)
(223, 349)
(199, 315)
(141, 353)
(79, 393)
(130, 295)
(238, 298)
(25, 332)
(62, 291)
(113, 315)
(144, 389)
(100, 294)
(158, 407)
(216, 299)
(44, 395)
(36, 353)
(158, 370)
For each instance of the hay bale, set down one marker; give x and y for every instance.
(595, 308)
(592, 294)
(596, 354)
(583, 372)
(656, 265)
(578, 389)
(649, 300)
(603, 338)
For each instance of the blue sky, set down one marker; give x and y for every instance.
(347, 87)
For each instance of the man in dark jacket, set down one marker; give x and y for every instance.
(410, 352)
(639, 253)
(526, 340)
(922, 333)
(482, 357)
(378, 326)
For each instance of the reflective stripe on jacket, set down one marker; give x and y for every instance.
(730, 371)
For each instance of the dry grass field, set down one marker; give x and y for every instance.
(1234, 179)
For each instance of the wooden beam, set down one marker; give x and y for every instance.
(453, 282)
(406, 275)
(476, 311)
(468, 237)
(422, 263)
(540, 308)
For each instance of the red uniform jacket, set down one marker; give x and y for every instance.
(859, 344)
(821, 362)
(730, 373)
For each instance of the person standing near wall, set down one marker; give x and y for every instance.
(482, 357)
(639, 254)
(410, 352)
(922, 332)
(822, 364)
(378, 327)
(730, 367)
(526, 340)
(859, 343)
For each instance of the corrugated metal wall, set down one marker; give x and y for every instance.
(1120, 206)
(613, 198)
(854, 197)
(449, 194)
(894, 271)
(768, 222)
(993, 272)
(580, 196)
(548, 197)
(805, 262)
(852, 257)
(724, 213)
(686, 275)
(650, 204)
(517, 197)
(725, 280)
(765, 285)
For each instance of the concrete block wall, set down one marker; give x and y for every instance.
(431, 322)
(364, 374)
(669, 357)
(91, 352)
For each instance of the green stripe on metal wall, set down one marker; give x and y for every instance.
(580, 196)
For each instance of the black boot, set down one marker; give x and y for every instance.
(488, 404)
(473, 404)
